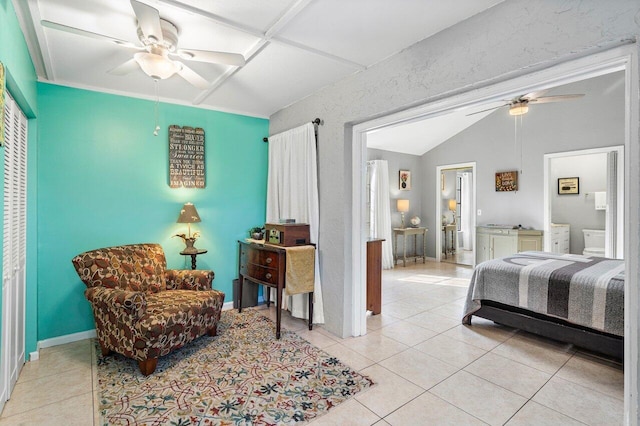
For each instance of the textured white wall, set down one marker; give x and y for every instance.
(514, 38)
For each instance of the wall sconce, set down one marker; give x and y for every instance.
(402, 206)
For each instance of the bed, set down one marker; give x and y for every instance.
(571, 298)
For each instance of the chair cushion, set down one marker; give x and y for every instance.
(134, 267)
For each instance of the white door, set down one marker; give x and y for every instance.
(13, 248)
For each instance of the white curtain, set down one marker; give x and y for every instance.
(380, 208)
(292, 193)
(466, 204)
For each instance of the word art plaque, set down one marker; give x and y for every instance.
(186, 157)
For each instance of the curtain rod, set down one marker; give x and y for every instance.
(316, 122)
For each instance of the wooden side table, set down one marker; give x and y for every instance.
(193, 256)
(374, 276)
(405, 232)
(266, 264)
(451, 229)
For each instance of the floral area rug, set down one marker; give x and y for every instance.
(243, 376)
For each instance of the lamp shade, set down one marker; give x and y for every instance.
(188, 214)
(518, 109)
(452, 205)
(156, 66)
(402, 206)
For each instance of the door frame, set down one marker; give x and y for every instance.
(620, 173)
(439, 169)
(623, 57)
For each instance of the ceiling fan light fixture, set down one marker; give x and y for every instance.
(156, 66)
(518, 109)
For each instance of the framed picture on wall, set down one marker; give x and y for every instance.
(405, 180)
(507, 181)
(570, 185)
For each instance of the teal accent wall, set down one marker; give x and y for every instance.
(21, 82)
(103, 180)
(21, 75)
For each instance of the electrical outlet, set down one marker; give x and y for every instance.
(479, 212)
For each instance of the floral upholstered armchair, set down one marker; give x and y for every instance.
(143, 310)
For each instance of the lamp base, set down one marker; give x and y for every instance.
(190, 249)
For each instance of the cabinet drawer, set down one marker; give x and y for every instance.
(261, 273)
(262, 257)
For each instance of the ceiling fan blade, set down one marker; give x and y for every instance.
(532, 95)
(557, 98)
(148, 20)
(78, 31)
(488, 109)
(192, 77)
(234, 59)
(125, 68)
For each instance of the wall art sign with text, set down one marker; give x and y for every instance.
(186, 157)
(507, 181)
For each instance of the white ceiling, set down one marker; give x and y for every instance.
(292, 47)
(420, 136)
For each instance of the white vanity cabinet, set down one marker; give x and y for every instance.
(559, 238)
(493, 242)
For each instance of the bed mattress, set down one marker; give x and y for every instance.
(583, 290)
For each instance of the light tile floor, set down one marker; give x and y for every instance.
(428, 368)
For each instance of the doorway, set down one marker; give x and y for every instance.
(623, 58)
(595, 206)
(455, 207)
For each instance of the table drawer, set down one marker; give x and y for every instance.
(268, 275)
(259, 257)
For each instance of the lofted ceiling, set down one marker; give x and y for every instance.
(292, 48)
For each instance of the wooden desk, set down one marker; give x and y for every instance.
(374, 276)
(451, 229)
(266, 265)
(407, 232)
(193, 256)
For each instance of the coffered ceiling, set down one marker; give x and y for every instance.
(292, 47)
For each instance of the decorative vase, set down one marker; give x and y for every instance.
(189, 243)
(257, 235)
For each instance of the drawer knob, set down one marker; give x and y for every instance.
(269, 260)
(268, 276)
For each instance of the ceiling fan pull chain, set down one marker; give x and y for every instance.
(157, 128)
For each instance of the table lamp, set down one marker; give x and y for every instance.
(189, 215)
(453, 206)
(403, 207)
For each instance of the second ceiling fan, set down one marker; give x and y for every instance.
(159, 39)
(520, 104)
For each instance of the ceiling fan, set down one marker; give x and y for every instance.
(520, 104)
(159, 39)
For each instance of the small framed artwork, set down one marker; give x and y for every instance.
(570, 185)
(507, 181)
(405, 180)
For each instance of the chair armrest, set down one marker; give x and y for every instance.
(134, 302)
(187, 279)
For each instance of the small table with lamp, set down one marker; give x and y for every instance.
(193, 255)
(450, 229)
(405, 232)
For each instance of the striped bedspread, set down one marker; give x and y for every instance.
(583, 290)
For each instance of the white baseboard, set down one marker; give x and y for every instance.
(68, 338)
(34, 356)
(229, 305)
